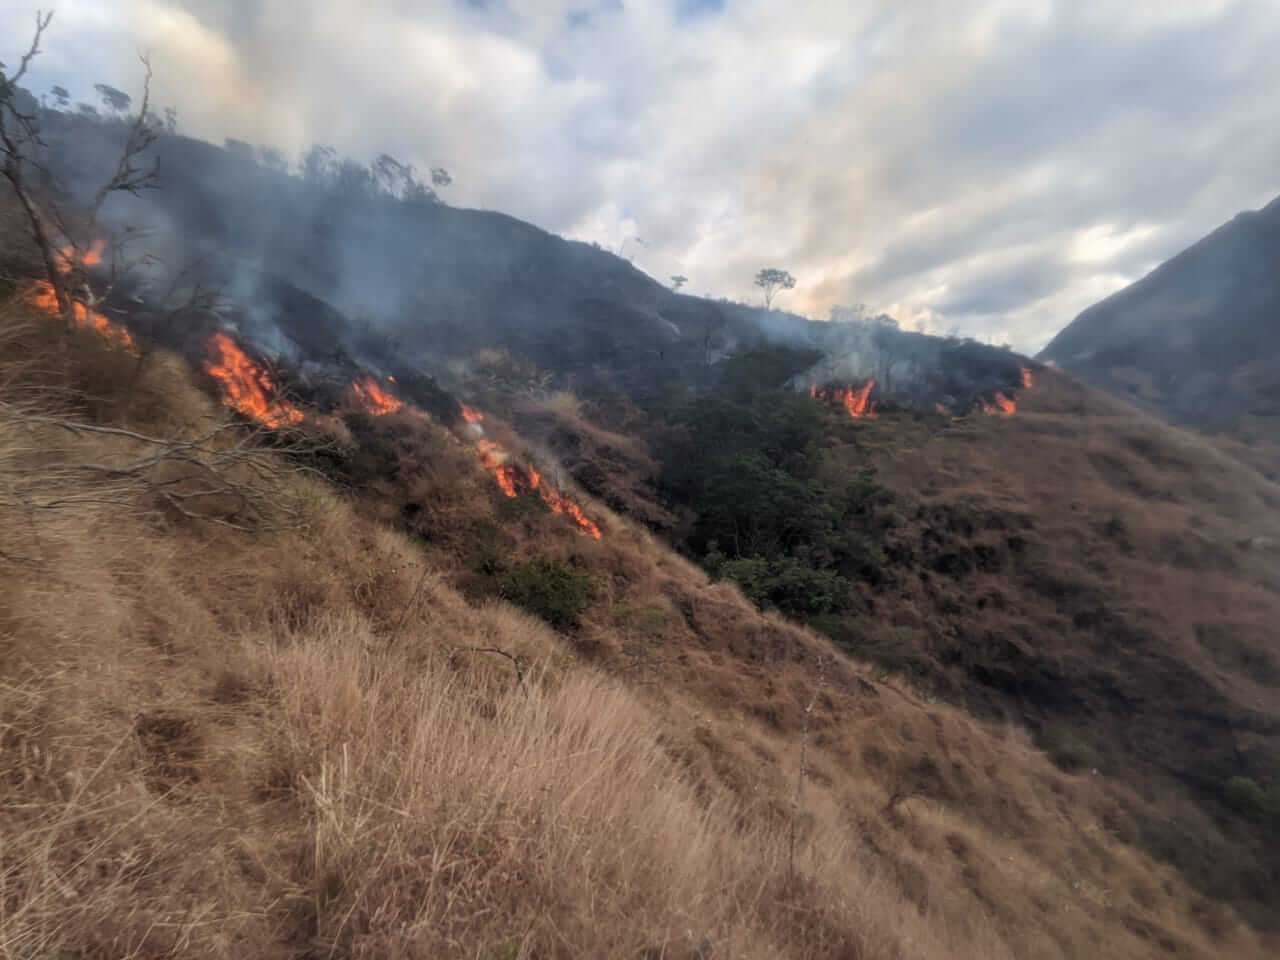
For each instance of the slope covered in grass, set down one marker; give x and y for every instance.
(290, 740)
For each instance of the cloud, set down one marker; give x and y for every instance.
(997, 164)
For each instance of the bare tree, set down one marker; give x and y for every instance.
(20, 141)
(21, 150)
(771, 280)
(678, 281)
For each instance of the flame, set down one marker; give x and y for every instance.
(91, 258)
(372, 398)
(856, 400)
(43, 298)
(562, 505)
(246, 386)
(515, 479)
(1001, 404)
(495, 458)
(390, 378)
(1025, 373)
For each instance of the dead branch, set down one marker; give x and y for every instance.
(804, 751)
(19, 143)
(129, 176)
(224, 476)
(516, 661)
(21, 148)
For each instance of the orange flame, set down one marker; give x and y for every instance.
(1001, 404)
(91, 258)
(495, 458)
(856, 400)
(562, 505)
(1025, 373)
(43, 298)
(372, 398)
(246, 386)
(514, 479)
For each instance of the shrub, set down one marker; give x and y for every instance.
(549, 589)
(1068, 751)
(565, 402)
(1252, 800)
(787, 583)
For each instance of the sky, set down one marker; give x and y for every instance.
(991, 166)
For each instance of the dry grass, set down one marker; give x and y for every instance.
(221, 744)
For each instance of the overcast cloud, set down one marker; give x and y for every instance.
(997, 165)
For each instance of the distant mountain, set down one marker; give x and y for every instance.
(1196, 341)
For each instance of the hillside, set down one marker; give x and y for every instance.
(287, 736)
(1197, 341)
(836, 640)
(1085, 571)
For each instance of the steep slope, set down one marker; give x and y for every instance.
(1102, 580)
(292, 739)
(1107, 580)
(1113, 582)
(1197, 341)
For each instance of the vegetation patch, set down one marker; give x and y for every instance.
(550, 589)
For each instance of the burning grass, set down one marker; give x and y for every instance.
(856, 401)
(368, 395)
(246, 385)
(515, 479)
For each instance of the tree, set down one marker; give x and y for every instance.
(400, 180)
(117, 101)
(319, 164)
(21, 164)
(61, 97)
(273, 159)
(771, 280)
(19, 142)
(171, 119)
(678, 281)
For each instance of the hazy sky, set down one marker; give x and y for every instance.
(996, 165)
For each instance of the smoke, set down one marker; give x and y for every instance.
(331, 271)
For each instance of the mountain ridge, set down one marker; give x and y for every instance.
(1197, 339)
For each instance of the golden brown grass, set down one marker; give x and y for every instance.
(215, 743)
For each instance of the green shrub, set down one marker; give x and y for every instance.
(1250, 799)
(787, 583)
(549, 589)
(1067, 750)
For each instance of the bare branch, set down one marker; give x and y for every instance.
(516, 661)
(804, 751)
(128, 176)
(42, 24)
(19, 142)
(221, 476)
